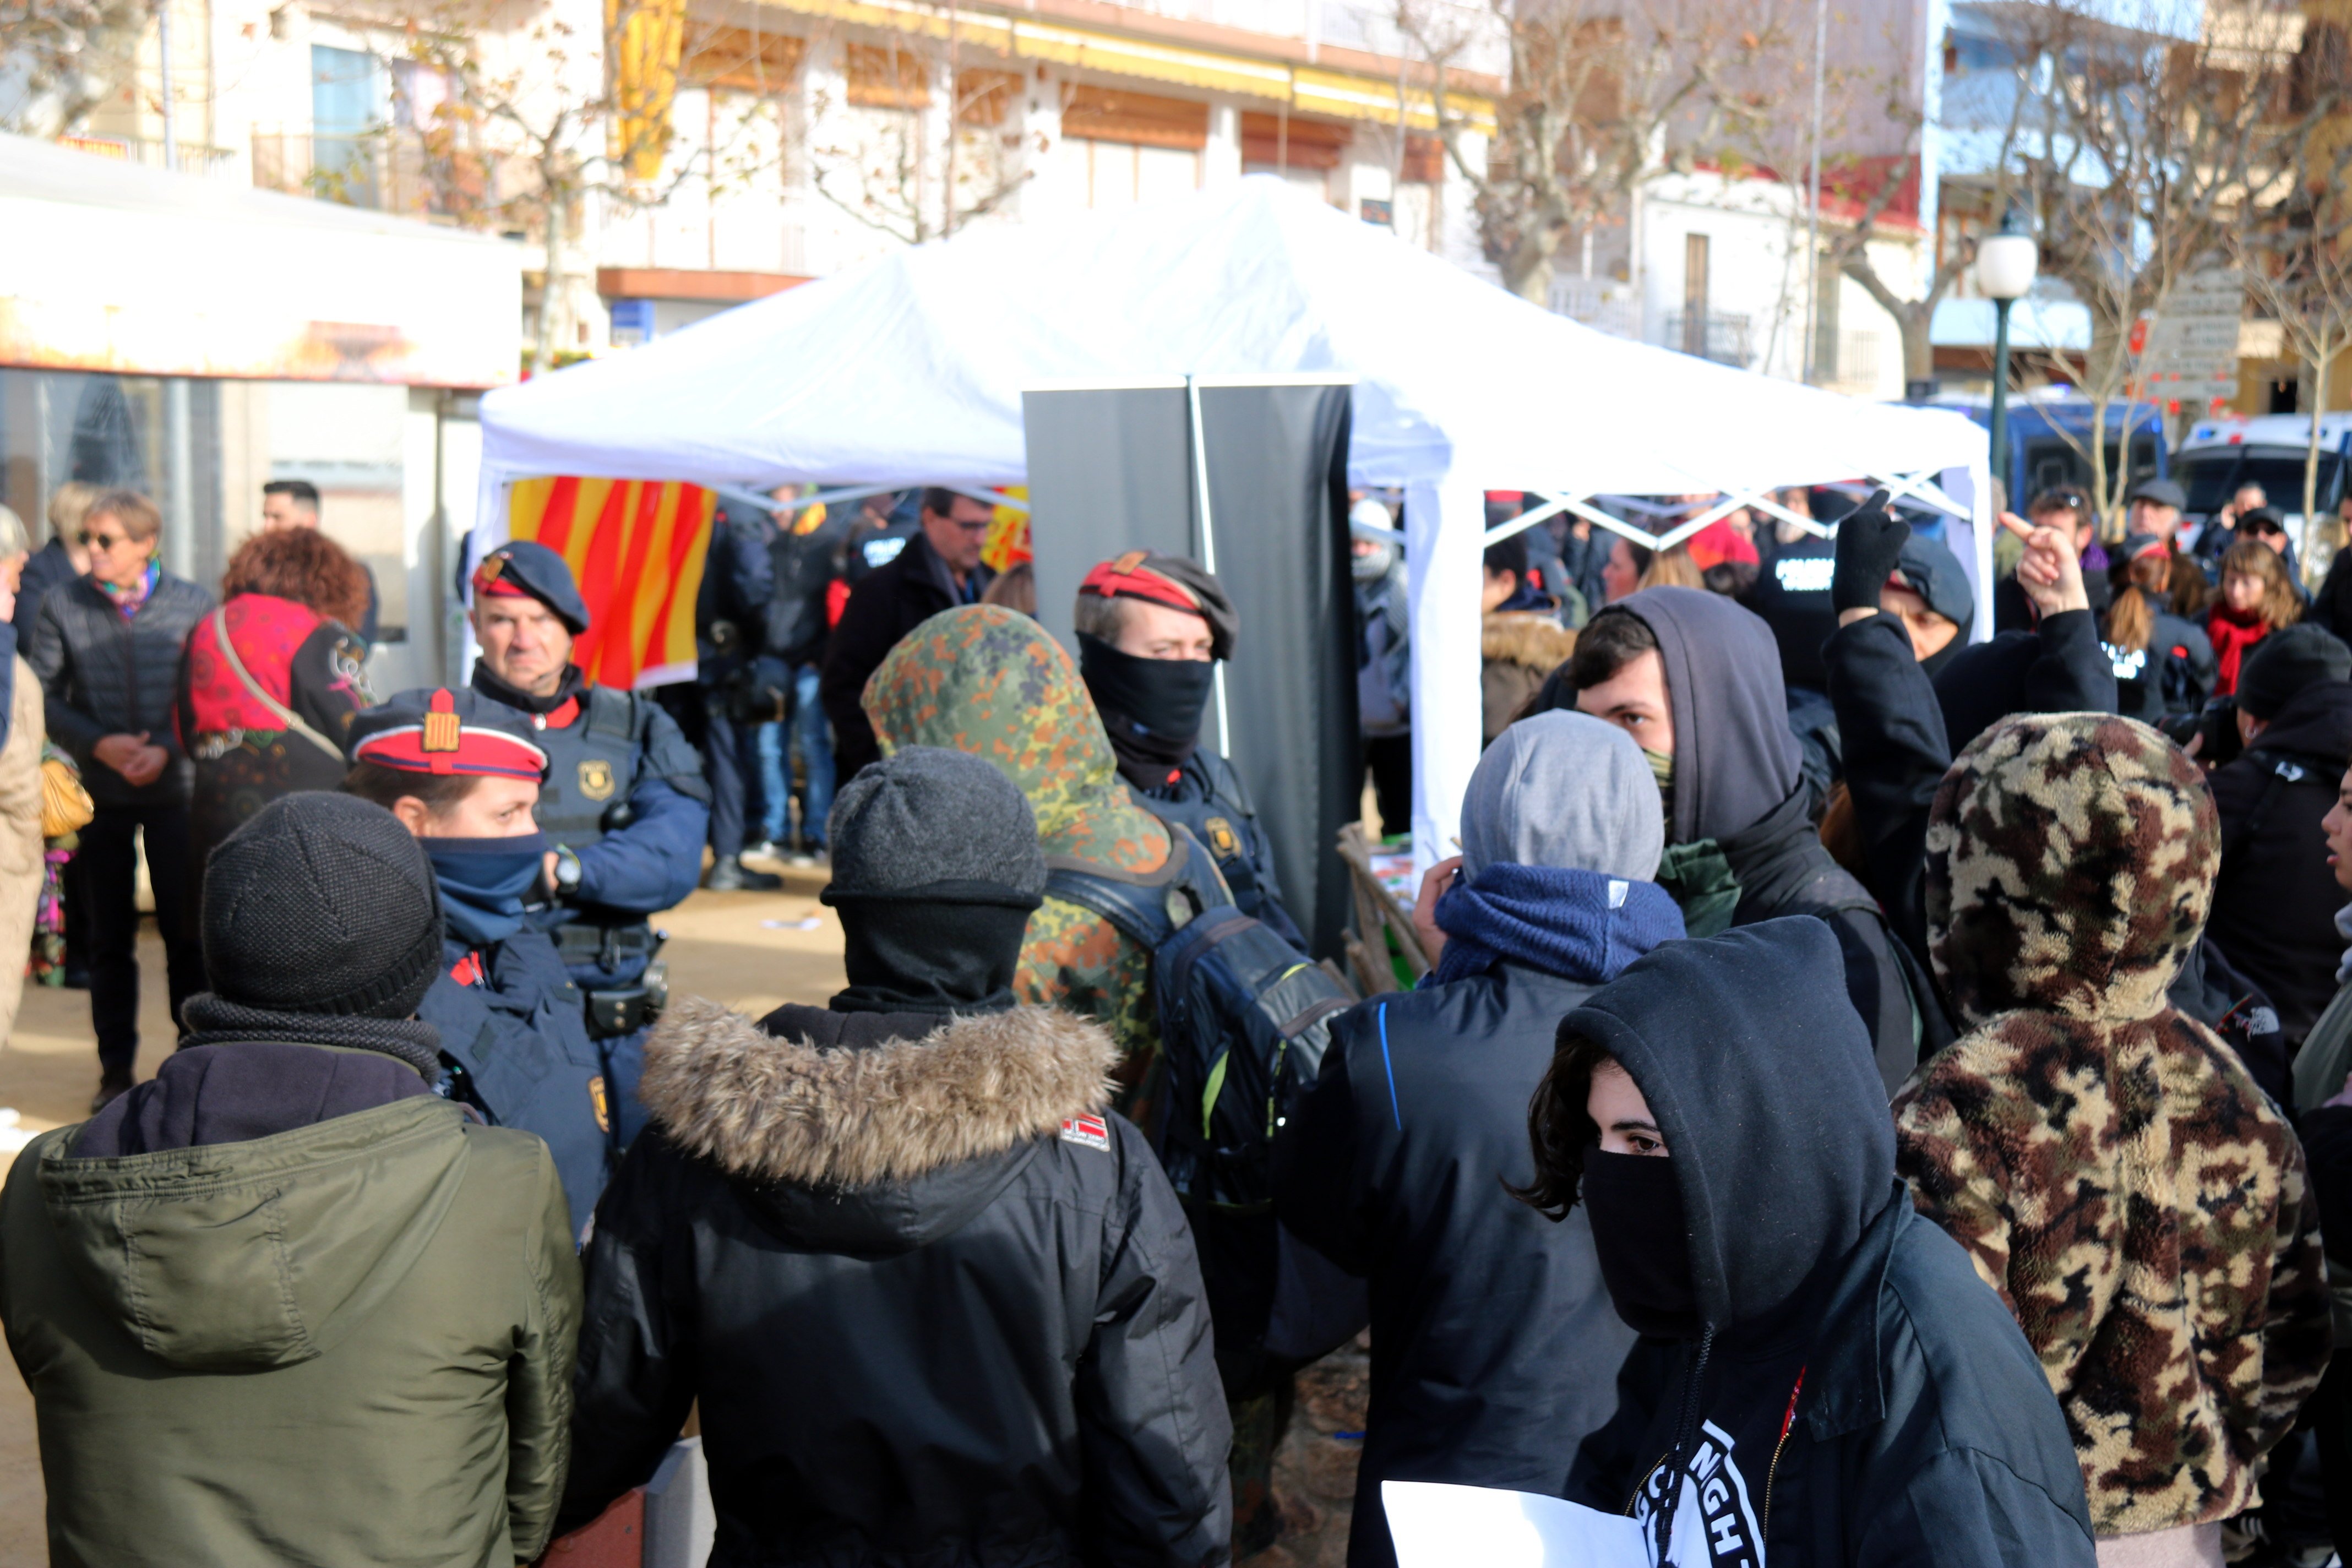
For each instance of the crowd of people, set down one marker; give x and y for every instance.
(1880, 1097)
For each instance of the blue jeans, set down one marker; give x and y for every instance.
(807, 725)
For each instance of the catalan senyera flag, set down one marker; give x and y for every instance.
(636, 547)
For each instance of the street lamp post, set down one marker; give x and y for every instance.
(2005, 266)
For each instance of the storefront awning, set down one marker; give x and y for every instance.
(117, 267)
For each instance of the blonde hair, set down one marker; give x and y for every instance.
(69, 505)
(13, 539)
(2281, 606)
(2131, 620)
(1672, 569)
(138, 515)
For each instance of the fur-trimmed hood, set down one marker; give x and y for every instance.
(791, 1110)
(1526, 638)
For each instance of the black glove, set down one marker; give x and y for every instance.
(1868, 542)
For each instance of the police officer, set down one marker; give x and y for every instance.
(462, 773)
(624, 809)
(1152, 629)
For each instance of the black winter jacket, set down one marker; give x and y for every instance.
(106, 674)
(1495, 1349)
(44, 569)
(2275, 901)
(937, 1306)
(803, 565)
(887, 604)
(1866, 1399)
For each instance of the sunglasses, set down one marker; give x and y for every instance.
(105, 542)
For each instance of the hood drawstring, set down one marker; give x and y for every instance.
(1686, 1430)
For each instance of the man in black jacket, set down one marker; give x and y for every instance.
(108, 648)
(938, 569)
(805, 558)
(935, 1303)
(730, 619)
(1823, 1379)
(1494, 1348)
(2275, 901)
(1696, 680)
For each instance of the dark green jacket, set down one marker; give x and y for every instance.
(349, 1344)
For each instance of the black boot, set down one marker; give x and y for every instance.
(730, 875)
(111, 1086)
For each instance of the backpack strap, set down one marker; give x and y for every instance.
(1139, 903)
(612, 712)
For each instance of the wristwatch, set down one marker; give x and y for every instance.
(567, 872)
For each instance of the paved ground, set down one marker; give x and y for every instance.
(748, 949)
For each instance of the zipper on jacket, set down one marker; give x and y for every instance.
(1788, 1425)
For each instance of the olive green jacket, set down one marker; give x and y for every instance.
(348, 1344)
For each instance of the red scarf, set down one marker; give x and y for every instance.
(2231, 637)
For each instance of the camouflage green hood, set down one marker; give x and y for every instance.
(2070, 859)
(991, 682)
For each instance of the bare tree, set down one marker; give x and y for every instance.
(522, 128)
(887, 167)
(2297, 258)
(1603, 96)
(2139, 151)
(59, 59)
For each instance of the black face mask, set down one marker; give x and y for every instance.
(1151, 707)
(919, 955)
(1635, 1205)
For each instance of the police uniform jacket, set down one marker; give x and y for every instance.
(516, 1044)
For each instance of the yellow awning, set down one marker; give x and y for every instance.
(1309, 90)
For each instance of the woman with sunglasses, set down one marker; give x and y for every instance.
(108, 648)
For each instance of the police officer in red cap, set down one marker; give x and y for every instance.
(625, 808)
(1151, 630)
(462, 773)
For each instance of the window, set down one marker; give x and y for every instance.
(1137, 146)
(1693, 294)
(887, 79)
(349, 107)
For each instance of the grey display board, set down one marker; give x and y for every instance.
(1115, 469)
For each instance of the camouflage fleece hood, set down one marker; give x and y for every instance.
(991, 682)
(2106, 1161)
(2070, 859)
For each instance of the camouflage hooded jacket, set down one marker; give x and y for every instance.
(2108, 1163)
(991, 682)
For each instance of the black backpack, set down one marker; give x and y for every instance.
(1244, 1020)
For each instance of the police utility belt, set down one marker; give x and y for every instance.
(617, 1010)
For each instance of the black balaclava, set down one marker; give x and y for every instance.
(936, 869)
(1151, 708)
(1635, 1205)
(932, 952)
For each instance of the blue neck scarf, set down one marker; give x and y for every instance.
(1578, 925)
(484, 882)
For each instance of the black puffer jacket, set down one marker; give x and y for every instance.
(936, 1305)
(106, 674)
(1866, 1399)
(1495, 1349)
(2275, 903)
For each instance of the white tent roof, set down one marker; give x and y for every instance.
(911, 367)
(910, 370)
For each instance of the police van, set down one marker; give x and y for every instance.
(2223, 454)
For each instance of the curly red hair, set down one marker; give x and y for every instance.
(301, 564)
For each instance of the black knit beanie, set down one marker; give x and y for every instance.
(2286, 662)
(938, 825)
(322, 903)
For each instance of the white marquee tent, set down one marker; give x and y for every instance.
(909, 370)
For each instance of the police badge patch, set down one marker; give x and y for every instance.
(596, 779)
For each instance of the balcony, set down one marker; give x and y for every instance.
(1597, 302)
(193, 159)
(1716, 335)
(374, 172)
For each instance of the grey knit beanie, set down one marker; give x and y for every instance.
(322, 903)
(938, 824)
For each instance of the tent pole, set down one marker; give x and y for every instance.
(1208, 545)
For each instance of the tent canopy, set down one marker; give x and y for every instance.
(910, 370)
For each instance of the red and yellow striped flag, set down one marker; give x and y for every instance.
(636, 547)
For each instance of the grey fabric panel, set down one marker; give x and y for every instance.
(1112, 470)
